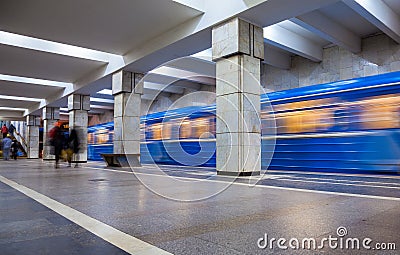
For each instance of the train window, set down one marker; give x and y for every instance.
(293, 122)
(303, 116)
(157, 132)
(200, 127)
(380, 112)
(185, 129)
(304, 105)
(166, 128)
(102, 136)
(90, 138)
(296, 122)
(324, 119)
(174, 133)
(148, 132)
(211, 124)
(280, 123)
(308, 121)
(267, 119)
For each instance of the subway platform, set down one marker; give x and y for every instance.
(182, 210)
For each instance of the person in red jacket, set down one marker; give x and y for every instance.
(4, 131)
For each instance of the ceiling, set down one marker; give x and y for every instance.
(51, 49)
(109, 26)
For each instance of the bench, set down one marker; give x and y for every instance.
(121, 160)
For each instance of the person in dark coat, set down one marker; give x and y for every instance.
(73, 144)
(14, 149)
(57, 140)
(11, 129)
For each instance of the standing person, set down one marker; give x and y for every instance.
(6, 147)
(4, 131)
(11, 129)
(57, 140)
(14, 149)
(73, 144)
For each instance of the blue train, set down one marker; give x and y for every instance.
(344, 126)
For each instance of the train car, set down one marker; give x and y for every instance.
(344, 126)
(100, 140)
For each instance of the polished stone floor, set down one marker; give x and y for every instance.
(87, 210)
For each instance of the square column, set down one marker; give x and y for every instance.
(33, 123)
(78, 107)
(238, 49)
(50, 117)
(127, 86)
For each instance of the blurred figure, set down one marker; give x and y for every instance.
(4, 131)
(57, 141)
(11, 130)
(73, 146)
(14, 149)
(6, 147)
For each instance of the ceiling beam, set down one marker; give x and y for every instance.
(179, 74)
(153, 94)
(96, 106)
(11, 114)
(276, 58)
(176, 82)
(187, 85)
(162, 87)
(205, 66)
(379, 14)
(282, 38)
(195, 4)
(36, 44)
(200, 65)
(148, 97)
(330, 30)
(100, 100)
(51, 99)
(40, 82)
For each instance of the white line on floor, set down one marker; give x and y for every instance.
(338, 180)
(260, 186)
(114, 236)
(335, 174)
(338, 183)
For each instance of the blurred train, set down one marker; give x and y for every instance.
(344, 126)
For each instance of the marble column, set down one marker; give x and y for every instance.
(238, 49)
(32, 136)
(78, 107)
(127, 85)
(50, 116)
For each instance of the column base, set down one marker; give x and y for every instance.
(227, 173)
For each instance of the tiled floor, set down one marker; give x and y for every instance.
(27, 227)
(189, 216)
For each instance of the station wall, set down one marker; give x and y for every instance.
(380, 54)
(108, 116)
